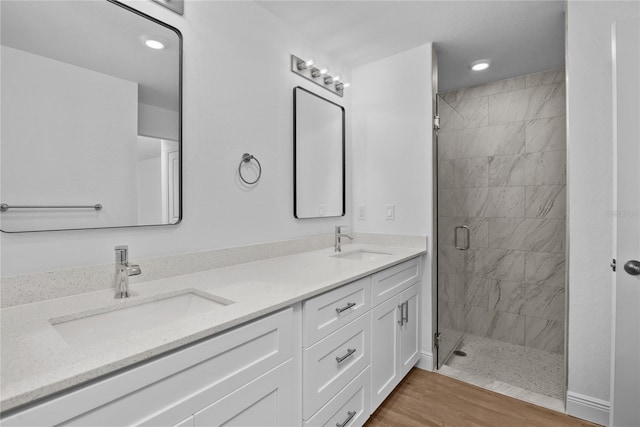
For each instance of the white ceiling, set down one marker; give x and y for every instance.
(98, 36)
(519, 37)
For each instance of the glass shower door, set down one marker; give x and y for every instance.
(454, 234)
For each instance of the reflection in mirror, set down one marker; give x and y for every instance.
(91, 114)
(318, 156)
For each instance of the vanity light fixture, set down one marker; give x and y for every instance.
(317, 72)
(303, 65)
(318, 75)
(328, 80)
(480, 65)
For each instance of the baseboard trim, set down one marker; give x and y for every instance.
(588, 408)
(425, 362)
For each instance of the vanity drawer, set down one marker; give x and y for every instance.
(351, 407)
(393, 280)
(332, 363)
(332, 310)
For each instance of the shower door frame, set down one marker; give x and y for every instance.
(435, 332)
(434, 221)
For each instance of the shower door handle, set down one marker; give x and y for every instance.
(455, 238)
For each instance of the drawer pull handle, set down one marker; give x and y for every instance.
(350, 414)
(346, 307)
(401, 321)
(350, 352)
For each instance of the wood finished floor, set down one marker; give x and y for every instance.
(430, 399)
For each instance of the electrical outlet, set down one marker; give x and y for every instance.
(362, 213)
(322, 210)
(390, 212)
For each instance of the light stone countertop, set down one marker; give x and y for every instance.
(36, 361)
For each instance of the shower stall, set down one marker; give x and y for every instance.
(501, 172)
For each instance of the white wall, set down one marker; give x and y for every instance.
(392, 142)
(238, 93)
(54, 150)
(590, 183)
(392, 152)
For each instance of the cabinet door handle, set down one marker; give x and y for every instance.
(346, 307)
(401, 321)
(406, 311)
(350, 352)
(350, 414)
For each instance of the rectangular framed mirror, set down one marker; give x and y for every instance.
(91, 117)
(319, 156)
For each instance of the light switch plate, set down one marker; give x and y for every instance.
(362, 213)
(390, 212)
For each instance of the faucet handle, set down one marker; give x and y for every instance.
(122, 254)
(134, 270)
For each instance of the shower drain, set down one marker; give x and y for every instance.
(459, 353)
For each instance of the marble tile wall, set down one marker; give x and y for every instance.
(502, 172)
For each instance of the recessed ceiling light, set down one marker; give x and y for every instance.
(480, 65)
(154, 44)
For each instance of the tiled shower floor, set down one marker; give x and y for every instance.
(521, 372)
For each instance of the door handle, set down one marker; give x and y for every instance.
(632, 267)
(401, 321)
(406, 311)
(455, 238)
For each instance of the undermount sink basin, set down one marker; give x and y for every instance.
(361, 255)
(92, 328)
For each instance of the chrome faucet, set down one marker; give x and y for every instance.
(339, 235)
(123, 271)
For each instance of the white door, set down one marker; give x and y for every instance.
(385, 342)
(264, 402)
(409, 335)
(626, 333)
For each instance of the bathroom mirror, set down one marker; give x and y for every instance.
(91, 117)
(319, 165)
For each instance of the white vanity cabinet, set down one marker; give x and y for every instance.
(379, 345)
(337, 356)
(249, 372)
(395, 337)
(329, 360)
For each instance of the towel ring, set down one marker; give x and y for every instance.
(246, 158)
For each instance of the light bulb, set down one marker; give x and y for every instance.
(480, 65)
(154, 44)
